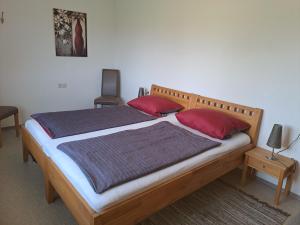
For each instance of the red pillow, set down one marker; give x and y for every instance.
(211, 122)
(155, 105)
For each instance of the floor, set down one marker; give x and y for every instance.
(22, 195)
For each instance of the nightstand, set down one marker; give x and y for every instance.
(256, 160)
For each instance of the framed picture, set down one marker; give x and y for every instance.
(70, 30)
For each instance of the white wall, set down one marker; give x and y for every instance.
(242, 51)
(30, 71)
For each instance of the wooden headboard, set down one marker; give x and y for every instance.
(250, 115)
(182, 98)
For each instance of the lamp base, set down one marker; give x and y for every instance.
(273, 158)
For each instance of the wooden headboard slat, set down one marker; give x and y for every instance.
(183, 98)
(248, 114)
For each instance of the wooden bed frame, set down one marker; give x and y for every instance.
(141, 205)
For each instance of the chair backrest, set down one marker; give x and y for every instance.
(110, 83)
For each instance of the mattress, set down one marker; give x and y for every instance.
(99, 202)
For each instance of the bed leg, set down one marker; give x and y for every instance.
(25, 152)
(49, 191)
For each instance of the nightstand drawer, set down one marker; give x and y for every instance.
(263, 167)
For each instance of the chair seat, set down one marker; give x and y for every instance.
(107, 100)
(6, 111)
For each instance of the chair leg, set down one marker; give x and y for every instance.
(17, 125)
(0, 135)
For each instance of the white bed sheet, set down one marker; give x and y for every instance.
(98, 202)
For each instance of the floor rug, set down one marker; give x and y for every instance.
(218, 204)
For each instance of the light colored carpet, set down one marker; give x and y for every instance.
(22, 199)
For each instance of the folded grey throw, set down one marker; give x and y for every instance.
(114, 159)
(67, 123)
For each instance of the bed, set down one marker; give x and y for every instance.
(136, 200)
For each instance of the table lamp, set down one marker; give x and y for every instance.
(141, 92)
(274, 140)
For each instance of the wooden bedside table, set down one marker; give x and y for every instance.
(284, 167)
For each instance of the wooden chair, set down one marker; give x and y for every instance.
(7, 111)
(110, 91)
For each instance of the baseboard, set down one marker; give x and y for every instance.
(10, 127)
(273, 186)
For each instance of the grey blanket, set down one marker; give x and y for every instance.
(114, 159)
(67, 123)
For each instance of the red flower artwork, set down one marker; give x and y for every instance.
(70, 33)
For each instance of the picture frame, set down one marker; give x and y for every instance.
(70, 30)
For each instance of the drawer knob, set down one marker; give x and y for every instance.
(264, 166)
